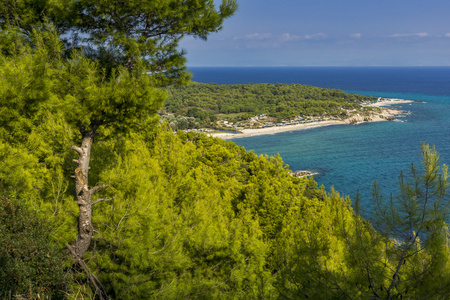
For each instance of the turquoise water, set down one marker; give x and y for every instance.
(351, 157)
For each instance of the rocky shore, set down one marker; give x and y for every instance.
(303, 173)
(384, 115)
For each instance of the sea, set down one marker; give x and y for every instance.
(351, 157)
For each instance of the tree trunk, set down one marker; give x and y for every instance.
(84, 195)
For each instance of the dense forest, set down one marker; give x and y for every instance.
(209, 102)
(98, 200)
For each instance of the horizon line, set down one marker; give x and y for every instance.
(312, 66)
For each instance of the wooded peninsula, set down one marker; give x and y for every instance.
(255, 106)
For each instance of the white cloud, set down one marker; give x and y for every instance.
(286, 37)
(447, 34)
(254, 36)
(400, 35)
(264, 40)
(281, 38)
(317, 36)
(356, 35)
(271, 40)
(421, 34)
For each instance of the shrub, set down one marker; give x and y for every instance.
(29, 264)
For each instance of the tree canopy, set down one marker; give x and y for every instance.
(117, 53)
(122, 33)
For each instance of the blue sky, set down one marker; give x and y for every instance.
(329, 33)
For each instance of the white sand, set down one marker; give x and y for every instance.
(275, 129)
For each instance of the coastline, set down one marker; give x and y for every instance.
(386, 114)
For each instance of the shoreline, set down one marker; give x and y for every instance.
(386, 114)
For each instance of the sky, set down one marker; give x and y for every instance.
(328, 33)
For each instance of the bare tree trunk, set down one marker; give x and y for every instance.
(84, 194)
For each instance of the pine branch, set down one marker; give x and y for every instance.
(78, 150)
(100, 291)
(101, 200)
(96, 189)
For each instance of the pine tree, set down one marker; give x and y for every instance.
(327, 250)
(121, 34)
(414, 222)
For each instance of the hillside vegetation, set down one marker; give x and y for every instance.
(209, 102)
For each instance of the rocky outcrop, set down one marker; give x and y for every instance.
(359, 119)
(303, 173)
(383, 115)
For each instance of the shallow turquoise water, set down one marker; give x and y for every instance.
(351, 157)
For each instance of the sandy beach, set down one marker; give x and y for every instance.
(384, 115)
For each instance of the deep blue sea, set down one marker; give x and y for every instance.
(351, 157)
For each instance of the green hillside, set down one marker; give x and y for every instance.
(209, 102)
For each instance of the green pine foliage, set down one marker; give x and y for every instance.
(193, 243)
(120, 34)
(417, 218)
(30, 266)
